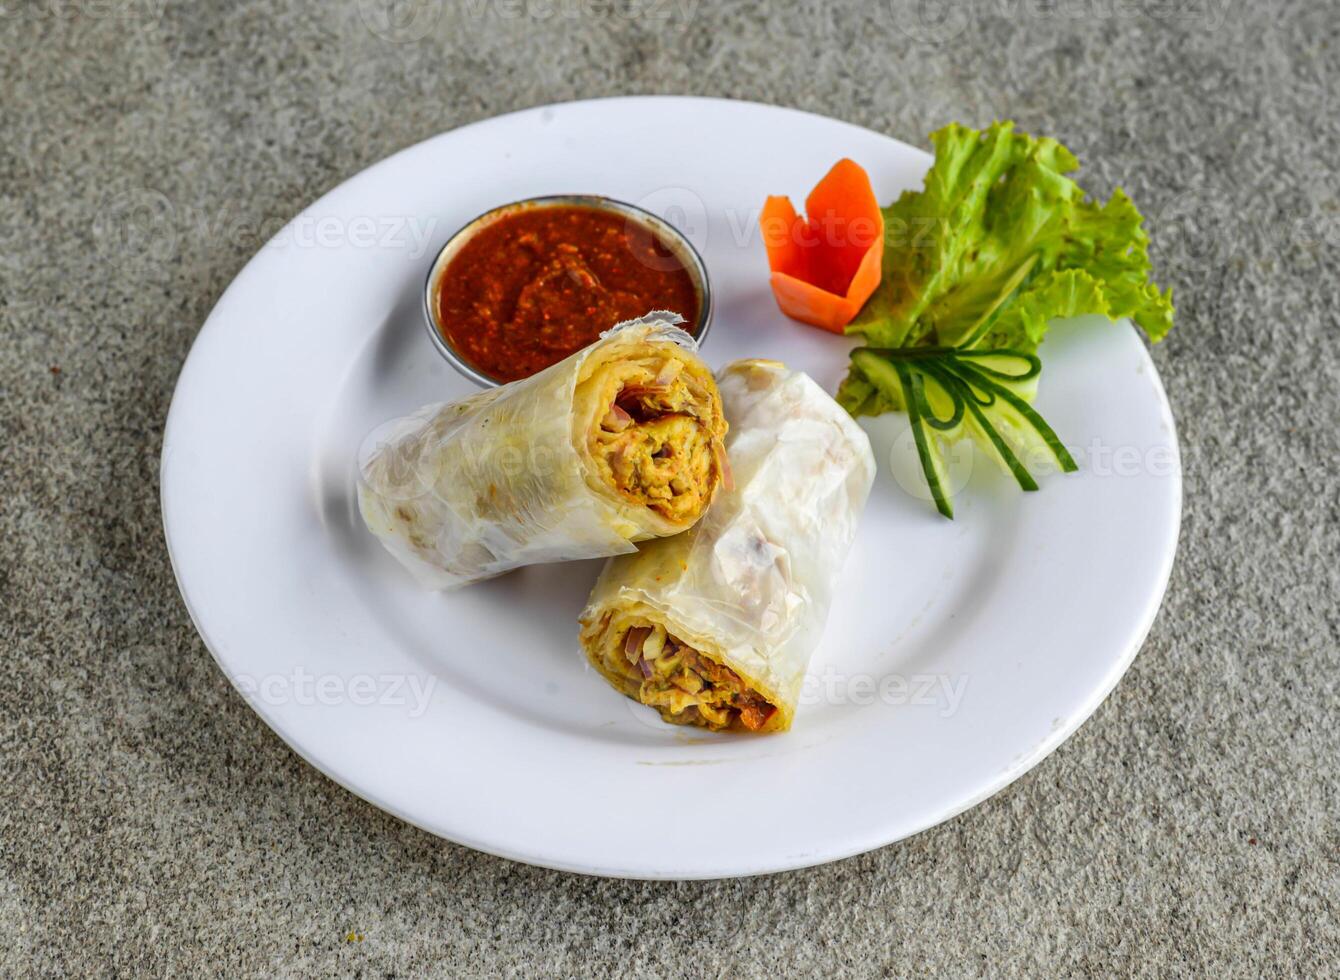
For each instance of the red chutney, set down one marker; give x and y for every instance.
(541, 283)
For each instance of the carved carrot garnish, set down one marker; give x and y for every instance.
(826, 263)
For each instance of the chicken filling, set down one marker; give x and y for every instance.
(685, 686)
(661, 442)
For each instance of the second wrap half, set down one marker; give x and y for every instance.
(715, 627)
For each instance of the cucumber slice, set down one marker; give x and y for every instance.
(1001, 448)
(879, 371)
(1004, 364)
(950, 393)
(944, 405)
(1016, 370)
(906, 382)
(1032, 432)
(932, 463)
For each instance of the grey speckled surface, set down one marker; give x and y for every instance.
(151, 825)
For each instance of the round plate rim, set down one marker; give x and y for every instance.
(821, 855)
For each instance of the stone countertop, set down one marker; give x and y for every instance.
(150, 824)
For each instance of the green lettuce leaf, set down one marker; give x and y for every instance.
(1053, 295)
(982, 251)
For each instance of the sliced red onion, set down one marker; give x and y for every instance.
(632, 643)
(616, 419)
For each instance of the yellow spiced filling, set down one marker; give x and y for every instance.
(658, 442)
(687, 687)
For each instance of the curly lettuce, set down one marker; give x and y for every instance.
(998, 243)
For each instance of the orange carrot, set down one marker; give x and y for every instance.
(826, 264)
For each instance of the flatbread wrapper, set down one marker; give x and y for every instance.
(715, 627)
(620, 442)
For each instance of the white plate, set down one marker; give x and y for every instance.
(473, 715)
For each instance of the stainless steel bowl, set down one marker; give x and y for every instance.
(678, 245)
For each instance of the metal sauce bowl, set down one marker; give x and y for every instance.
(674, 241)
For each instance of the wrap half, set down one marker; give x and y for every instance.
(715, 627)
(620, 442)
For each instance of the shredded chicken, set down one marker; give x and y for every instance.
(659, 438)
(685, 686)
